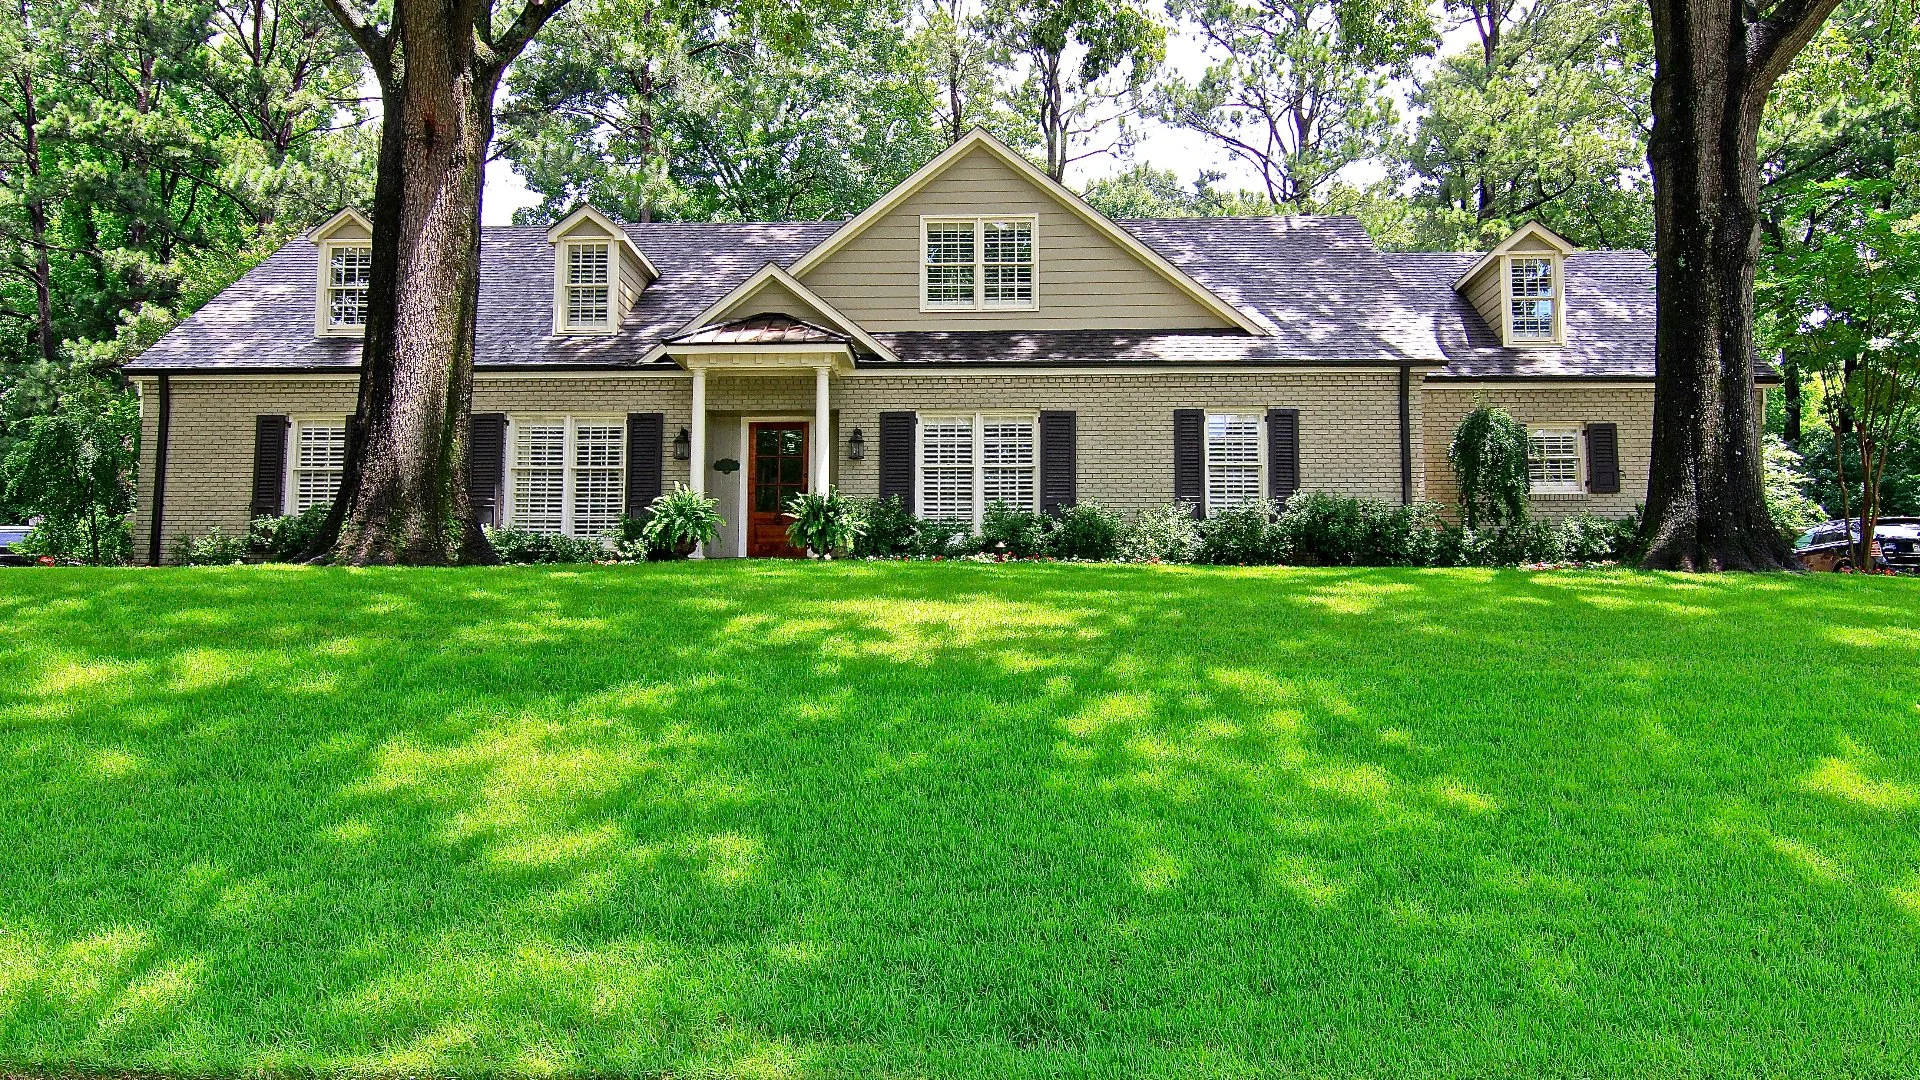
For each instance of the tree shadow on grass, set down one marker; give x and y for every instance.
(956, 820)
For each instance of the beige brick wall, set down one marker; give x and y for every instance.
(1349, 428)
(1538, 404)
(210, 440)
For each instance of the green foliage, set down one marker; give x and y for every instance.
(1589, 538)
(1786, 480)
(74, 468)
(287, 536)
(1018, 533)
(890, 528)
(70, 543)
(520, 546)
(1087, 63)
(1242, 535)
(1489, 459)
(680, 520)
(1166, 533)
(1319, 529)
(214, 547)
(1087, 531)
(1296, 92)
(936, 539)
(824, 523)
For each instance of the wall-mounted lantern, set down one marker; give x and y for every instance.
(682, 445)
(856, 446)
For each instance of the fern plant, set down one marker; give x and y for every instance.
(679, 521)
(825, 523)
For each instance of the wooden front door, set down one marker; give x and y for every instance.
(776, 472)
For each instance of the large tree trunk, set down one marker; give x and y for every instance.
(403, 497)
(1706, 508)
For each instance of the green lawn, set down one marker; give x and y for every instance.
(787, 820)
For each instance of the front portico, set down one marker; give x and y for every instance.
(757, 447)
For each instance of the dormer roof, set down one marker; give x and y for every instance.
(1532, 236)
(603, 225)
(347, 224)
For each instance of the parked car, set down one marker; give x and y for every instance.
(1830, 545)
(9, 536)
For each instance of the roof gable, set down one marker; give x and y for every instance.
(980, 176)
(586, 221)
(1532, 236)
(774, 291)
(347, 224)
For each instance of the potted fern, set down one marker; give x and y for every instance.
(679, 521)
(825, 523)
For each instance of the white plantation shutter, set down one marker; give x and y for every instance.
(599, 478)
(1007, 263)
(540, 476)
(1009, 466)
(946, 468)
(319, 457)
(348, 271)
(1532, 288)
(1553, 461)
(1233, 460)
(950, 264)
(587, 285)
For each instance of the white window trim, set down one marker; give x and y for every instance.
(979, 261)
(561, 254)
(572, 421)
(323, 296)
(289, 482)
(1557, 266)
(980, 420)
(1576, 486)
(1259, 418)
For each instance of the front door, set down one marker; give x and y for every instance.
(776, 472)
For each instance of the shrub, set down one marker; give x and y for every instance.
(107, 542)
(1503, 545)
(520, 546)
(1787, 482)
(824, 523)
(1489, 457)
(943, 539)
(1087, 531)
(1243, 535)
(678, 521)
(890, 528)
(211, 548)
(1591, 538)
(1161, 534)
(1007, 531)
(287, 536)
(1319, 529)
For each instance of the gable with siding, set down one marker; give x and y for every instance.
(1086, 281)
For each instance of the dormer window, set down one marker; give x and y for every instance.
(343, 269)
(1520, 288)
(348, 268)
(977, 264)
(1531, 298)
(588, 277)
(598, 273)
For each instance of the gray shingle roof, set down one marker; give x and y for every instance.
(1316, 282)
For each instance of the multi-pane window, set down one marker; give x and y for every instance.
(950, 264)
(1007, 263)
(968, 463)
(348, 268)
(589, 268)
(1532, 299)
(1553, 461)
(319, 457)
(568, 475)
(976, 263)
(1233, 460)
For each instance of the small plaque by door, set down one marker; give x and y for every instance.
(776, 472)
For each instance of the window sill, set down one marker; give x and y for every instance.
(1558, 496)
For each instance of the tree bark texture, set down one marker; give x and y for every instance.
(1714, 65)
(403, 498)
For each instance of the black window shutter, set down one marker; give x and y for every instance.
(1603, 459)
(646, 465)
(1283, 453)
(269, 466)
(1189, 458)
(486, 464)
(896, 457)
(1058, 467)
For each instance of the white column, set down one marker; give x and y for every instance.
(697, 465)
(822, 431)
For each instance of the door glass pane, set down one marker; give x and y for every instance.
(766, 498)
(766, 469)
(792, 441)
(790, 470)
(766, 441)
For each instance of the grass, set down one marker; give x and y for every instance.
(784, 820)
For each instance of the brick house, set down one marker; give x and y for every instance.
(979, 334)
